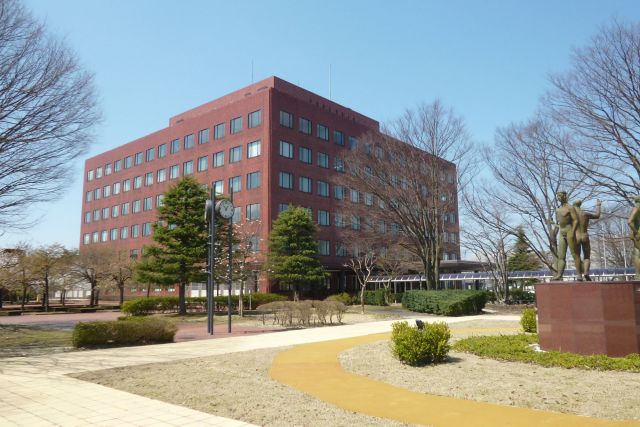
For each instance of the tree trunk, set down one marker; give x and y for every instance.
(121, 288)
(181, 299)
(24, 296)
(92, 293)
(148, 289)
(45, 297)
(1, 296)
(362, 288)
(97, 301)
(240, 302)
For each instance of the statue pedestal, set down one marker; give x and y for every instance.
(589, 317)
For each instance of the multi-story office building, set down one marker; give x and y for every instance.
(275, 143)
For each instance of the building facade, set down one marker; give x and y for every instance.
(274, 143)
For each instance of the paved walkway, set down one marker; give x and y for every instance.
(315, 369)
(36, 390)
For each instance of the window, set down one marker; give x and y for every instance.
(304, 125)
(453, 237)
(286, 119)
(135, 231)
(187, 168)
(218, 159)
(162, 151)
(368, 199)
(94, 237)
(90, 175)
(89, 196)
(323, 217)
(96, 215)
(175, 146)
(253, 149)
(147, 204)
(150, 154)
(174, 171)
(87, 217)
(107, 169)
(323, 189)
(235, 219)
(98, 173)
(305, 155)
(188, 141)
(105, 213)
(128, 162)
(323, 160)
(117, 166)
(304, 184)
(286, 149)
(282, 207)
(159, 200)
(124, 232)
(341, 250)
(382, 227)
(106, 190)
(137, 182)
(86, 239)
(253, 180)
(236, 125)
(235, 184)
(97, 194)
(323, 247)
(255, 118)
(218, 131)
(338, 192)
(323, 132)
(136, 206)
(203, 163)
(146, 229)
(161, 175)
(355, 222)
(218, 187)
(338, 137)
(452, 218)
(148, 179)
(253, 212)
(285, 180)
(235, 154)
(104, 235)
(353, 142)
(338, 164)
(138, 158)
(124, 209)
(254, 243)
(116, 187)
(115, 211)
(114, 234)
(203, 136)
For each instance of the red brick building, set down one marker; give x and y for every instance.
(275, 143)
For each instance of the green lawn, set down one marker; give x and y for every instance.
(28, 341)
(517, 348)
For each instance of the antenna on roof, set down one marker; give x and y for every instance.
(329, 81)
(252, 71)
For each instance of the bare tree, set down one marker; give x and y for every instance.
(48, 264)
(92, 266)
(246, 251)
(599, 99)
(121, 271)
(528, 174)
(362, 262)
(392, 261)
(610, 241)
(47, 112)
(414, 174)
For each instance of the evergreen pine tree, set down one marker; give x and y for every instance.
(293, 250)
(521, 258)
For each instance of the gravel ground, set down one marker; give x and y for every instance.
(591, 393)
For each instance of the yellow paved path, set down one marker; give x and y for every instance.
(315, 369)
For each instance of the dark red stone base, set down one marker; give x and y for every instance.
(589, 317)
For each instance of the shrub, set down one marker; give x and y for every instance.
(132, 331)
(517, 348)
(291, 313)
(528, 320)
(377, 297)
(418, 347)
(144, 306)
(343, 297)
(518, 296)
(446, 302)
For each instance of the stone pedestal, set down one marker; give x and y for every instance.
(589, 317)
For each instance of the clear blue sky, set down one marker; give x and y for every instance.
(152, 59)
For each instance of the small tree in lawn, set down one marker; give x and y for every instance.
(179, 255)
(362, 263)
(122, 270)
(293, 250)
(92, 265)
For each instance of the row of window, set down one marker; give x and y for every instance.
(305, 126)
(254, 119)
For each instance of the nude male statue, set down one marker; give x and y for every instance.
(582, 235)
(634, 224)
(567, 222)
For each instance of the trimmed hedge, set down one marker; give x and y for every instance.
(528, 320)
(343, 297)
(144, 306)
(123, 332)
(445, 302)
(418, 347)
(377, 297)
(518, 296)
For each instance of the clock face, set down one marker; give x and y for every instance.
(225, 208)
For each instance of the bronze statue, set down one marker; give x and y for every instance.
(582, 235)
(634, 224)
(567, 223)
